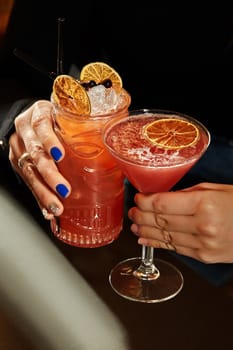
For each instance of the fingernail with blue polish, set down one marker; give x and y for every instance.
(55, 153)
(62, 190)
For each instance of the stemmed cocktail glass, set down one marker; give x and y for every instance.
(154, 157)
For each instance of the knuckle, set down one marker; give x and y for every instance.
(208, 228)
(36, 151)
(48, 173)
(19, 120)
(38, 119)
(157, 204)
(41, 113)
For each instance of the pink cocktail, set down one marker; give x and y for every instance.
(148, 167)
(151, 167)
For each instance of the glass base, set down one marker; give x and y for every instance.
(82, 238)
(166, 285)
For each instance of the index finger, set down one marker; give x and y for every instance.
(171, 203)
(42, 125)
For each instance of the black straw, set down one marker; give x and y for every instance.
(31, 62)
(60, 54)
(60, 46)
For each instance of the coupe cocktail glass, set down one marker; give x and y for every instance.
(149, 169)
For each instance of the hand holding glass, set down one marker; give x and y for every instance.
(151, 169)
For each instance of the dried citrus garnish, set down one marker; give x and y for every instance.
(71, 95)
(172, 133)
(100, 72)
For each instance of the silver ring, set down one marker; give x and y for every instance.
(24, 158)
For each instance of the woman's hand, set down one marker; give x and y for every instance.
(34, 148)
(196, 222)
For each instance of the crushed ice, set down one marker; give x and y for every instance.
(103, 99)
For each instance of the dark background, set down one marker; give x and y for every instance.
(176, 57)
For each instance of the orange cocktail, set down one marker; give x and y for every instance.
(93, 213)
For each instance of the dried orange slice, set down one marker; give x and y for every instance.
(172, 133)
(71, 95)
(99, 72)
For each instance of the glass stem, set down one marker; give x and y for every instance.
(147, 270)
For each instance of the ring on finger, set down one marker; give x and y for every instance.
(25, 157)
(168, 240)
(167, 236)
(170, 246)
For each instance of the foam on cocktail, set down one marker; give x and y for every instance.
(148, 167)
(128, 139)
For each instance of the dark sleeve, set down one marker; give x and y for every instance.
(7, 126)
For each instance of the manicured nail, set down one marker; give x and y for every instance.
(56, 153)
(53, 208)
(62, 190)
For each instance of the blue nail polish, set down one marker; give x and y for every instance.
(62, 190)
(55, 153)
